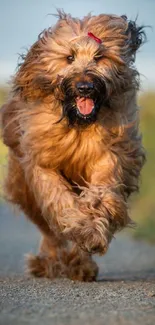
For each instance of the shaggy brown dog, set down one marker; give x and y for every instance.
(75, 153)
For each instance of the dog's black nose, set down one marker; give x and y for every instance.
(85, 88)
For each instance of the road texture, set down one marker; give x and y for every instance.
(124, 293)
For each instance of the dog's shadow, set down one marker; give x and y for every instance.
(128, 276)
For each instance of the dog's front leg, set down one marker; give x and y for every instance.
(102, 210)
(53, 195)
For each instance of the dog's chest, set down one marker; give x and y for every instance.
(81, 152)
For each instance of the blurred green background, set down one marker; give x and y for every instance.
(143, 203)
(3, 149)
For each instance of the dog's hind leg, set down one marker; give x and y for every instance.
(80, 265)
(49, 263)
(56, 260)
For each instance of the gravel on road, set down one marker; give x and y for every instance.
(124, 293)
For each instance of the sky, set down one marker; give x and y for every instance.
(22, 20)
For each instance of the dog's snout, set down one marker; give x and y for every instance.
(85, 88)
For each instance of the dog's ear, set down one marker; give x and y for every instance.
(136, 36)
(9, 123)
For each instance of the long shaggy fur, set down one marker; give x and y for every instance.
(70, 175)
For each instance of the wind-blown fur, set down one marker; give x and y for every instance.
(72, 175)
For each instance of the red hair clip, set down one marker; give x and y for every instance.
(98, 40)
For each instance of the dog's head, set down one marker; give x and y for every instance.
(82, 64)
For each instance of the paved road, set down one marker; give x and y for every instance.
(124, 293)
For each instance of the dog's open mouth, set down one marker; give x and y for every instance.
(85, 105)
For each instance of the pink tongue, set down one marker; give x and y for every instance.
(85, 105)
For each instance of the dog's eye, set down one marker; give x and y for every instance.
(98, 57)
(70, 58)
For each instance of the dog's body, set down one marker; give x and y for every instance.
(72, 128)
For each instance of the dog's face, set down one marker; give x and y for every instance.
(84, 87)
(84, 64)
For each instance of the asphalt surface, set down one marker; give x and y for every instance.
(123, 294)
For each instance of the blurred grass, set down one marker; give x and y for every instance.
(3, 149)
(143, 205)
(143, 208)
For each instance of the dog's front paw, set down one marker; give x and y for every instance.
(91, 240)
(90, 233)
